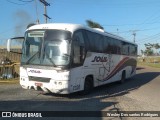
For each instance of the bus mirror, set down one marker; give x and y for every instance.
(15, 44)
(8, 45)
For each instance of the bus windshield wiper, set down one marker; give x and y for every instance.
(50, 60)
(32, 57)
(66, 55)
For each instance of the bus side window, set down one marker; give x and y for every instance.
(132, 50)
(78, 48)
(125, 48)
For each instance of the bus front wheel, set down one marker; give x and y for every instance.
(88, 85)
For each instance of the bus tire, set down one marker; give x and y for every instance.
(123, 77)
(88, 85)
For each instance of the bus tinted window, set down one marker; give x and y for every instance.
(125, 48)
(90, 38)
(106, 45)
(95, 42)
(98, 43)
(78, 36)
(132, 50)
(112, 46)
(101, 44)
(119, 47)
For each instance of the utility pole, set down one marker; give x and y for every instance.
(134, 37)
(134, 34)
(45, 9)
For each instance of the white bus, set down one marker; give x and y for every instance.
(66, 58)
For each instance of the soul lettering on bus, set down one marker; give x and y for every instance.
(99, 59)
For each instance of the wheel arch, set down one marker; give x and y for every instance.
(92, 79)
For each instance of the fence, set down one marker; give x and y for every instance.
(9, 71)
(9, 63)
(14, 57)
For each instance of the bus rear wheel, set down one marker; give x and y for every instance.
(123, 77)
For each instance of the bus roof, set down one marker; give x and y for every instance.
(74, 27)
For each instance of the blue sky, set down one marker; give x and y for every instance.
(121, 17)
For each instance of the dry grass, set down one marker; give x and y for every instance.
(152, 61)
(155, 65)
(9, 81)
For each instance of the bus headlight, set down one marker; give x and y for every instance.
(59, 83)
(22, 79)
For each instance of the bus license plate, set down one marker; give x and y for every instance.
(38, 84)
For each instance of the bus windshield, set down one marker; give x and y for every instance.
(46, 47)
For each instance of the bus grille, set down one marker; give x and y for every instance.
(39, 79)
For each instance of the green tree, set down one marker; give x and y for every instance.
(148, 50)
(93, 24)
(156, 46)
(150, 46)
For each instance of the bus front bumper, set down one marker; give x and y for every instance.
(60, 87)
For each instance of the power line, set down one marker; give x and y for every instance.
(152, 36)
(17, 3)
(128, 31)
(130, 24)
(149, 19)
(129, 4)
(26, 0)
(149, 38)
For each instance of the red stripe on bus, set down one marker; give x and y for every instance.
(118, 66)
